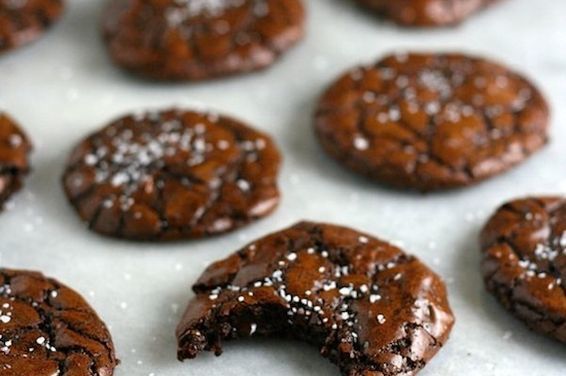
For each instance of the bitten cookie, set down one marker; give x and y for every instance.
(196, 40)
(427, 13)
(171, 175)
(431, 121)
(524, 262)
(47, 329)
(14, 152)
(372, 309)
(24, 21)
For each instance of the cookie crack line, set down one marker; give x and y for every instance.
(427, 13)
(427, 138)
(431, 121)
(24, 22)
(554, 274)
(45, 325)
(185, 43)
(173, 174)
(361, 300)
(524, 249)
(15, 148)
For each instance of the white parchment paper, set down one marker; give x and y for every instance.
(64, 87)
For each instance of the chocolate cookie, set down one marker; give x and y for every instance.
(372, 309)
(171, 175)
(427, 13)
(14, 151)
(524, 262)
(47, 329)
(432, 122)
(200, 39)
(24, 21)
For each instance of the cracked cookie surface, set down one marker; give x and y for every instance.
(14, 153)
(431, 121)
(24, 21)
(173, 174)
(47, 329)
(524, 262)
(372, 309)
(200, 39)
(427, 13)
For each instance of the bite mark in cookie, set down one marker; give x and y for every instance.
(372, 309)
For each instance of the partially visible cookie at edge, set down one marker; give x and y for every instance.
(173, 174)
(197, 40)
(15, 148)
(427, 13)
(370, 308)
(24, 21)
(432, 121)
(524, 262)
(48, 329)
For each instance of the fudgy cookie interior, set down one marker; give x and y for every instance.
(370, 308)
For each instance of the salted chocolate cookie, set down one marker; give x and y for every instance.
(172, 175)
(372, 309)
(431, 121)
(524, 262)
(24, 21)
(14, 152)
(200, 39)
(48, 329)
(427, 13)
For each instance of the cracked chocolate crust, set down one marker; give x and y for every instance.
(47, 329)
(172, 175)
(24, 21)
(372, 309)
(14, 153)
(524, 262)
(431, 121)
(427, 13)
(197, 40)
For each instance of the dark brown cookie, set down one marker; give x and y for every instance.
(432, 122)
(200, 39)
(24, 21)
(14, 152)
(372, 309)
(427, 13)
(171, 175)
(47, 329)
(524, 262)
